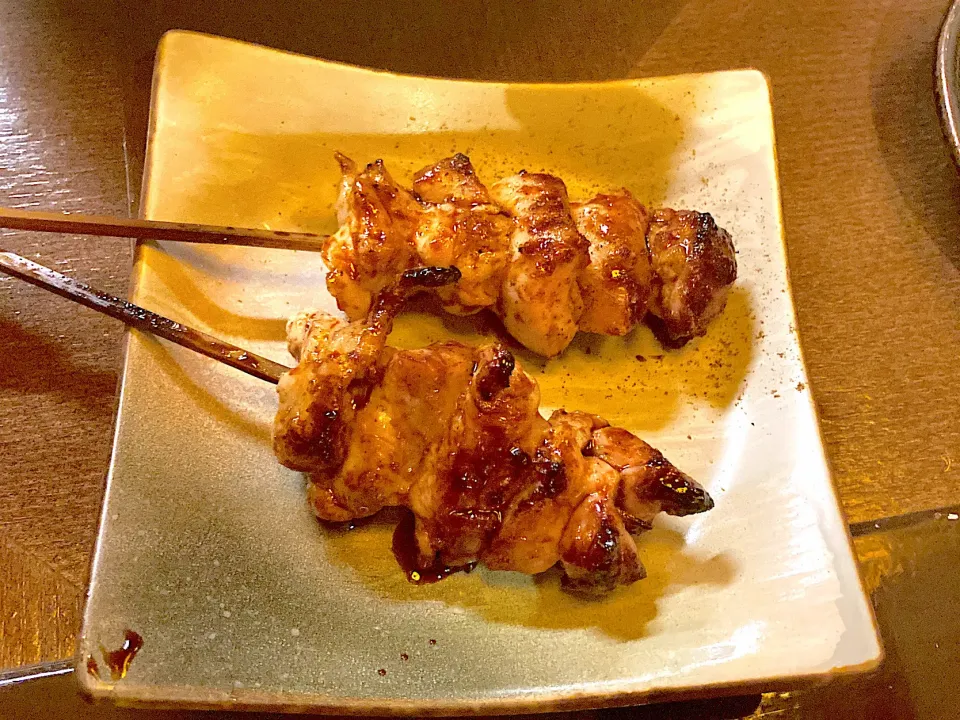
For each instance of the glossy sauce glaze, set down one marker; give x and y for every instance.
(405, 551)
(119, 660)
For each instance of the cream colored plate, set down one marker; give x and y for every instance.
(207, 547)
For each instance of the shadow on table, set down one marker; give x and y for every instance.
(476, 39)
(34, 362)
(905, 117)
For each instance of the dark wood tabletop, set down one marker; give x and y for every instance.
(871, 202)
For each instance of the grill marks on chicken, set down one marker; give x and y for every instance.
(453, 433)
(617, 285)
(540, 299)
(695, 264)
(463, 228)
(547, 267)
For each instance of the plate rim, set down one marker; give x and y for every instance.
(947, 79)
(608, 695)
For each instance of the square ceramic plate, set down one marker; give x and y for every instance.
(207, 548)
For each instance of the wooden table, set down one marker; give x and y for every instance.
(870, 197)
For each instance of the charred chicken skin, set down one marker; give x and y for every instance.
(453, 433)
(546, 266)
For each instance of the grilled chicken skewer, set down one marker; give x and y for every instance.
(546, 266)
(453, 433)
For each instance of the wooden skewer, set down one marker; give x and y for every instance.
(152, 230)
(140, 318)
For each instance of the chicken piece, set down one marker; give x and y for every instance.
(453, 433)
(309, 426)
(483, 461)
(695, 263)
(596, 551)
(374, 244)
(616, 285)
(650, 483)
(338, 367)
(534, 521)
(461, 227)
(545, 268)
(452, 180)
(540, 302)
(386, 230)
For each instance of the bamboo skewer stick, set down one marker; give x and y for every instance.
(140, 318)
(105, 226)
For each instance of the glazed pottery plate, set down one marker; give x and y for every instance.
(207, 548)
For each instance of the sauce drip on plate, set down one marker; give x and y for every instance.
(119, 660)
(405, 550)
